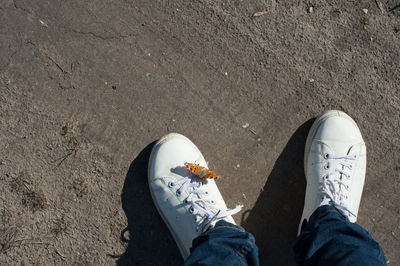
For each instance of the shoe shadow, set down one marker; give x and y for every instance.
(150, 242)
(279, 207)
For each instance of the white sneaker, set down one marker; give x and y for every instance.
(334, 163)
(187, 205)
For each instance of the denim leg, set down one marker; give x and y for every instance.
(225, 244)
(330, 239)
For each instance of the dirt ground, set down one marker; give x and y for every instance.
(86, 87)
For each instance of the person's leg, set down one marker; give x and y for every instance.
(224, 244)
(335, 164)
(193, 207)
(329, 238)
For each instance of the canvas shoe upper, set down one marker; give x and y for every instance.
(187, 204)
(335, 164)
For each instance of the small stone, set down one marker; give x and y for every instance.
(148, 75)
(259, 139)
(310, 9)
(260, 13)
(238, 166)
(226, 73)
(245, 125)
(44, 24)
(312, 80)
(365, 11)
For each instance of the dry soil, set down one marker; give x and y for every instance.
(86, 87)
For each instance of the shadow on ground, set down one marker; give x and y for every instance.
(275, 217)
(150, 242)
(273, 220)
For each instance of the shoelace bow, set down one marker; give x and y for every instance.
(203, 208)
(337, 194)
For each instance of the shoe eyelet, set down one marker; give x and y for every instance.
(191, 210)
(185, 201)
(326, 166)
(350, 166)
(326, 156)
(206, 192)
(355, 156)
(171, 184)
(178, 193)
(212, 202)
(198, 185)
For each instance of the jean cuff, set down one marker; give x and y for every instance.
(323, 211)
(222, 224)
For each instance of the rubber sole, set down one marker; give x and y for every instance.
(180, 245)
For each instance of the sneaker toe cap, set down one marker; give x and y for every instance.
(169, 155)
(339, 127)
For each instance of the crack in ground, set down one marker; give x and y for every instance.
(21, 8)
(58, 9)
(120, 37)
(3, 68)
(20, 46)
(102, 37)
(63, 69)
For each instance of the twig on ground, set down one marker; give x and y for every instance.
(63, 158)
(58, 65)
(58, 253)
(379, 4)
(394, 8)
(7, 239)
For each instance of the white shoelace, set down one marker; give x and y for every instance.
(335, 189)
(205, 214)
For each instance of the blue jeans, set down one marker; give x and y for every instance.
(327, 239)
